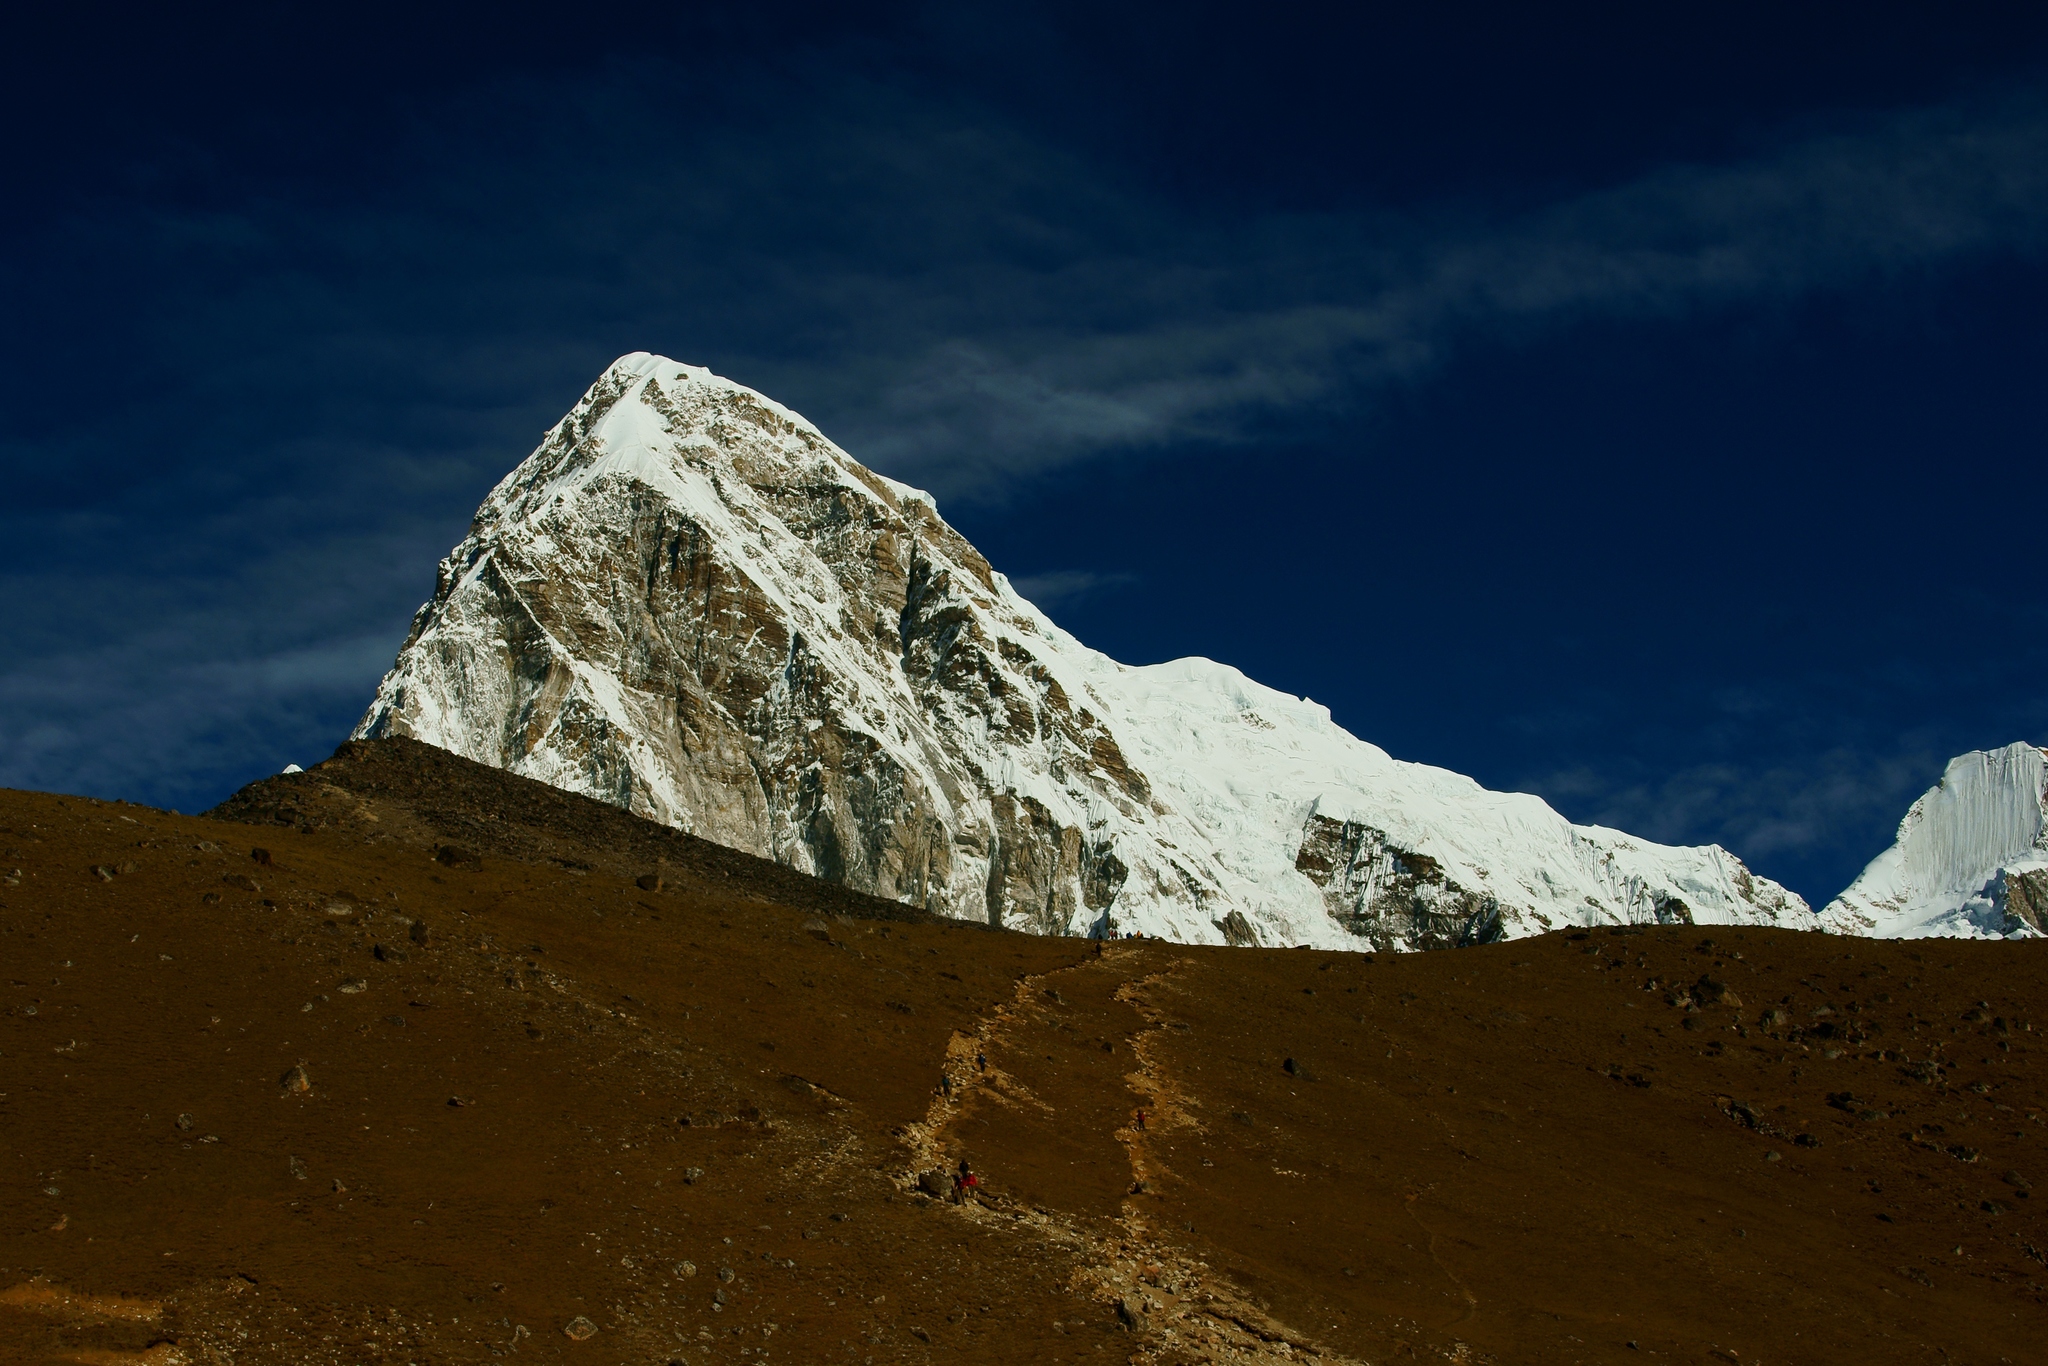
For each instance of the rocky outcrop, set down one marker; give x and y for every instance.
(689, 603)
(1389, 896)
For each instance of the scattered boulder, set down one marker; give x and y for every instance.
(241, 882)
(261, 856)
(649, 882)
(1710, 991)
(418, 933)
(185, 1123)
(453, 856)
(579, 1329)
(297, 1080)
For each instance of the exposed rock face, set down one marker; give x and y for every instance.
(688, 602)
(1971, 858)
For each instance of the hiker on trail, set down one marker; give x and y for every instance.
(945, 1086)
(966, 1183)
(1141, 1119)
(981, 1061)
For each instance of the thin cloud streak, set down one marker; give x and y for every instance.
(1909, 194)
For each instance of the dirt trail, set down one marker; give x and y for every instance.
(1164, 1294)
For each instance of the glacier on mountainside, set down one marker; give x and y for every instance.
(687, 601)
(1971, 858)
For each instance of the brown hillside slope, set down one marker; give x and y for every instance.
(359, 1105)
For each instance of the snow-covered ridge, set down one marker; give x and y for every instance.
(1971, 858)
(691, 603)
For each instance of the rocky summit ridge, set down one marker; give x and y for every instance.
(690, 603)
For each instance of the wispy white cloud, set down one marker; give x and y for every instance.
(1247, 320)
(1058, 587)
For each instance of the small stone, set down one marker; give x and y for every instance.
(686, 1269)
(296, 1080)
(339, 1189)
(579, 1329)
(103, 872)
(418, 933)
(128, 866)
(692, 1175)
(241, 882)
(727, 1274)
(261, 856)
(1773, 1156)
(2018, 1182)
(297, 1168)
(649, 882)
(352, 986)
(185, 1123)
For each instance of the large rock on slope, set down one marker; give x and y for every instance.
(690, 603)
(1971, 858)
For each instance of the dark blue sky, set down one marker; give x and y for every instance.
(1638, 405)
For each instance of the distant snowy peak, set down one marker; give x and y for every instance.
(689, 602)
(1971, 858)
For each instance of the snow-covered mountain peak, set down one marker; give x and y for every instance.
(1971, 857)
(690, 602)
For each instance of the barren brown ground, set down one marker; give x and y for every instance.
(360, 1104)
